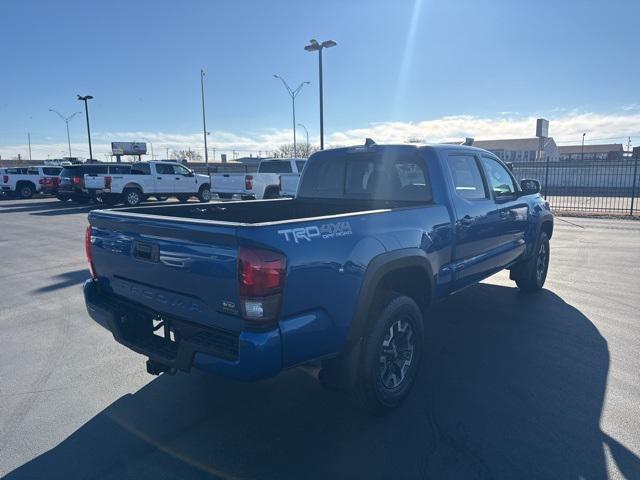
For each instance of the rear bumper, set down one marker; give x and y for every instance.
(241, 355)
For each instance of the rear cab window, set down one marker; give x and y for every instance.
(51, 171)
(388, 176)
(275, 166)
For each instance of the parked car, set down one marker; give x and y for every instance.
(134, 183)
(263, 184)
(72, 185)
(342, 274)
(25, 182)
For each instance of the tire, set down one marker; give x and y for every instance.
(183, 198)
(110, 200)
(161, 198)
(63, 198)
(204, 194)
(25, 191)
(132, 197)
(391, 353)
(225, 195)
(271, 193)
(531, 274)
(247, 197)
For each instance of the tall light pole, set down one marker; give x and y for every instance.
(313, 47)
(307, 133)
(293, 94)
(582, 150)
(204, 120)
(29, 139)
(84, 98)
(66, 120)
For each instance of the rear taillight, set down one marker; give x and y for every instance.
(5, 178)
(77, 180)
(260, 283)
(87, 250)
(55, 181)
(107, 182)
(248, 182)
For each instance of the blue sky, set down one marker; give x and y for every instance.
(401, 69)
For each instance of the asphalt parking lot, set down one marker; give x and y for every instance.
(513, 386)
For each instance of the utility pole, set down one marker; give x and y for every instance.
(29, 138)
(582, 150)
(204, 120)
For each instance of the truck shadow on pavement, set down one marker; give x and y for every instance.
(64, 280)
(512, 386)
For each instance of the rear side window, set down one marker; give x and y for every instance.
(164, 169)
(33, 171)
(119, 169)
(275, 166)
(466, 176)
(142, 169)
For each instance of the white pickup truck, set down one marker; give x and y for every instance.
(148, 179)
(289, 184)
(26, 181)
(263, 184)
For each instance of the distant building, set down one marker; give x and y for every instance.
(521, 149)
(609, 151)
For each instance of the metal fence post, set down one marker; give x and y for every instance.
(546, 178)
(635, 177)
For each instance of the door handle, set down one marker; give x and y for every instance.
(466, 220)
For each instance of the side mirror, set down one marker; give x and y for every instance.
(529, 186)
(190, 174)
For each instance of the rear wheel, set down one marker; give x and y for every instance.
(204, 194)
(161, 198)
(183, 198)
(26, 190)
(132, 197)
(271, 192)
(391, 354)
(110, 199)
(63, 198)
(531, 274)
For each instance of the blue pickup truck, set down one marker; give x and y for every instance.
(340, 276)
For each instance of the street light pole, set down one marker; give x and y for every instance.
(29, 138)
(84, 98)
(582, 150)
(293, 94)
(307, 133)
(313, 47)
(66, 120)
(204, 120)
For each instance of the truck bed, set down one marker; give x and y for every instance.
(265, 211)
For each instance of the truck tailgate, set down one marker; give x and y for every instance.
(182, 269)
(228, 182)
(93, 181)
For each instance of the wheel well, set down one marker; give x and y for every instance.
(410, 281)
(547, 227)
(22, 183)
(132, 185)
(204, 185)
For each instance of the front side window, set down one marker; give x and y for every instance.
(180, 170)
(164, 169)
(500, 181)
(466, 176)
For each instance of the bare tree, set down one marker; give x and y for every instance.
(302, 150)
(188, 155)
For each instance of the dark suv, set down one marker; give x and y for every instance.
(72, 181)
